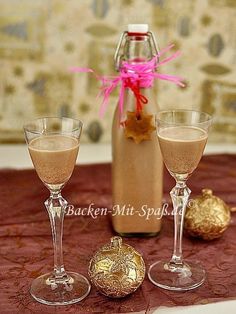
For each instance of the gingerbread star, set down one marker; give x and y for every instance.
(138, 127)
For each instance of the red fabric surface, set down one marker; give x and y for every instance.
(26, 245)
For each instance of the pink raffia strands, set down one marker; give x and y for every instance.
(133, 76)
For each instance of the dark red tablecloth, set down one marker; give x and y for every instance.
(26, 246)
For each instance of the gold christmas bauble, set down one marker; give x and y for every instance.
(116, 269)
(207, 216)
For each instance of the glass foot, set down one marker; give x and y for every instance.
(69, 289)
(167, 275)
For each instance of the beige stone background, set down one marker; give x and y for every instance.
(41, 39)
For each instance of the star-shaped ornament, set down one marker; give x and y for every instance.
(138, 127)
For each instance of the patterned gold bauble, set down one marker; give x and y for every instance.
(117, 269)
(207, 216)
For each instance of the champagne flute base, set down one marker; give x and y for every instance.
(182, 277)
(69, 289)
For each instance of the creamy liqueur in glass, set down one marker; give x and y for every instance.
(54, 157)
(182, 147)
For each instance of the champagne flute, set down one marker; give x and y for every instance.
(182, 136)
(53, 145)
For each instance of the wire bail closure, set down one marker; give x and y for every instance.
(118, 56)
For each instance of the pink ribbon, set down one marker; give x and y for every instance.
(131, 76)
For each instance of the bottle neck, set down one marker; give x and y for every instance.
(137, 48)
(138, 92)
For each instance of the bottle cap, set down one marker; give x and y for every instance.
(138, 28)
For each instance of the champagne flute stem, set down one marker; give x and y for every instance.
(56, 206)
(179, 195)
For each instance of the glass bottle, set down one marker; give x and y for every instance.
(137, 168)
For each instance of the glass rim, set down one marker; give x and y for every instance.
(53, 117)
(209, 118)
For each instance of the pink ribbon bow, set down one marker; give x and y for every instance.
(133, 76)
